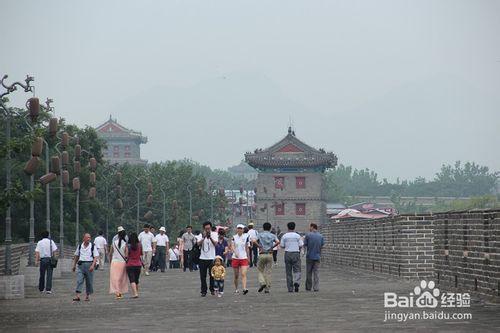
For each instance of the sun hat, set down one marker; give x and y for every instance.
(120, 228)
(240, 226)
(162, 229)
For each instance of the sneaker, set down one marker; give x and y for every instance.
(245, 291)
(203, 294)
(296, 287)
(262, 287)
(147, 273)
(236, 291)
(49, 292)
(266, 292)
(212, 293)
(219, 295)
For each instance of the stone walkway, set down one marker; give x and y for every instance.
(349, 300)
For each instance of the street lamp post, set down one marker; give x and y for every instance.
(138, 207)
(188, 188)
(8, 165)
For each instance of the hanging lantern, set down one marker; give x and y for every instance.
(78, 152)
(150, 188)
(65, 177)
(149, 200)
(92, 178)
(53, 122)
(65, 158)
(93, 163)
(54, 164)
(118, 190)
(119, 204)
(77, 167)
(48, 178)
(118, 178)
(37, 147)
(32, 165)
(33, 106)
(76, 184)
(92, 193)
(148, 216)
(65, 139)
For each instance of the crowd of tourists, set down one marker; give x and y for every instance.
(210, 251)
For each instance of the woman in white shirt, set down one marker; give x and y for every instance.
(118, 282)
(240, 249)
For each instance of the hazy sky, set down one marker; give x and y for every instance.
(397, 86)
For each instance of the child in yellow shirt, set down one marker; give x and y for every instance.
(218, 272)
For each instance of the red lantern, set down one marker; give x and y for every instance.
(54, 164)
(77, 167)
(92, 178)
(48, 178)
(149, 200)
(33, 105)
(118, 178)
(78, 152)
(76, 184)
(53, 122)
(32, 165)
(92, 193)
(118, 190)
(37, 147)
(65, 139)
(65, 177)
(65, 158)
(150, 188)
(119, 204)
(93, 163)
(148, 216)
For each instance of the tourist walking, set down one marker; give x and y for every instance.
(292, 244)
(117, 272)
(188, 241)
(102, 247)
(218, 273)
(85, 257)
(174, 255)
(240, 249)
(275, 249)
(45, 249)
(266, 241)
(254, 248)
(180, 246)
(222, 246)
(146, 238)
(162, 244)
(134, 263)
(313, 243)
(206, 241)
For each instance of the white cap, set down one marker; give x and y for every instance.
(162, 229)
(120, 228)
(240, 226)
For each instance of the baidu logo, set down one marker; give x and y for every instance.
(425, 295)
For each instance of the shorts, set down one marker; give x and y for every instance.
(236, 263)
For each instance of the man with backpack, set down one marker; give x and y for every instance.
(86, 255)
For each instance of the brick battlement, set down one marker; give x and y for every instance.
(456, 249)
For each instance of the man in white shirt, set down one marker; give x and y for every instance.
(86, 255)
(148, 247)
(207, 241)
(45, 249)
(292, 243)
(253, 236)
(162, 244)
(102, 247)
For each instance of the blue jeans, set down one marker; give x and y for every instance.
(45, 267)
(83, 273)
(219, 285)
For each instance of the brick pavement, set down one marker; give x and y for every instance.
(349, 300)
